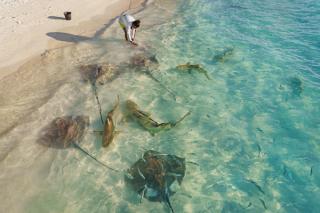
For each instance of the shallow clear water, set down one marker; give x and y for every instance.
(253, 130)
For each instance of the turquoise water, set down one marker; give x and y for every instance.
(253, 129)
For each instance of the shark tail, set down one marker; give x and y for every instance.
(182, 118)
(208, 77)
(85, 152)
(117, 103)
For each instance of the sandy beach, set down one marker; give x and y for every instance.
(29, 27)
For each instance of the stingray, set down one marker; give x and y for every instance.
(144, 60)
(154, 175)
(66, 132)
(98, 73)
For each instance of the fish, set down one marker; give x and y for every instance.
(223, 55)
(256, 185)
(311, 170)
(189, 67)
(250, 204)
(109, 131)
(259, 150)
(263, 203)
(145, 120)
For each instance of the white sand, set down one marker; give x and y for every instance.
(26, 23)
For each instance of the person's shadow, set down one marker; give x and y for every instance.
(76, 38)
(67, 37)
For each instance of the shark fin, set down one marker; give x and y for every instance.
(182, 118)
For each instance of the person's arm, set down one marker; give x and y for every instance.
(130, 36)
(133, 34)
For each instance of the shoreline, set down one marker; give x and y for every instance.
(51, 31)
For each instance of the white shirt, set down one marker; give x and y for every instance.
(126, 20)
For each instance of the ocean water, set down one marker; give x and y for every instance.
(253, 129)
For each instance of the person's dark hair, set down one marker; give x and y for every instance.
(136, 24)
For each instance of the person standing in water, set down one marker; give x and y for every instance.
(129, 25)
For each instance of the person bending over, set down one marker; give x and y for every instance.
(129, 25)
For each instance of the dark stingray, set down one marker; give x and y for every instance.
(98, 73)
(65, 132)
(144, 60)
(153, 174)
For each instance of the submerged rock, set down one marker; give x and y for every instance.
(62, 132)
(99, 73)
(154, 174)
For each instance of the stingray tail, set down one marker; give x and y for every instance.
(167, 199)
(161, 84)
(182, 118)
(94, 87)
(85, 152)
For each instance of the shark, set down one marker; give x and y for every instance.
(188, 67)
(221, 56)
(145, 120)
(109, 131)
